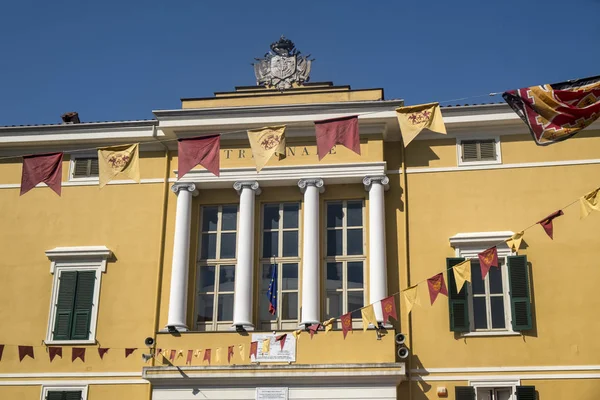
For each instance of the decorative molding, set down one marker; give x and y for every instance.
(479, 239)
(62, 383)
(79, 256)
(252, 185)
(38, 375)
(61, 387)
(437, 378)
(524, 368)
(368, 181)
(190, 187)
(316, 182)
(87, 182)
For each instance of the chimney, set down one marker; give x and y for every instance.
(70, 118)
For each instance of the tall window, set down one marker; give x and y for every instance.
(489, 304)
(216, 268)
(280, 250)
(345, 258)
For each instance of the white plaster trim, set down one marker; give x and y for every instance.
(70, 375)
(532, 368)
(463, 164)
(479, 239)
(64, 388)
(438, 378)
(481, 383)
(76, 382)
(86, 182)
(491, 333)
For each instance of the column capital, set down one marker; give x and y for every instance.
(190, 187)
(239, 185)
(316, 182)
(382, 179)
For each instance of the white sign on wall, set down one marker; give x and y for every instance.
(276, 353)
(273, 393)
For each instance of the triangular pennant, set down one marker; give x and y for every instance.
(1, 351)
(242, 350)
(368, 317)
(388, 309)
(297, 333)
(229, 354)
(436, 285)
(197, 353)
(342, 131)
(207, 355)
(253, 349)
(172, 355)
(54, 351)
(312, 329)
(514, 242)
(46, 168)
(78, 352)
(589, 202)
(218, 355)
(198, 151)
(487, 259)
(413, 119)
(411, 298)
(546, 223)
(329, 324)
(281, 339)
(102, 351)
(346, 320)
(188, 360)
(25, 351)
(266, 346)
(266, 143)
(129, 351)
(180, 353)
(462, 274)
(116, 160)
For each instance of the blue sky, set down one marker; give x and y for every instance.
(119, 60)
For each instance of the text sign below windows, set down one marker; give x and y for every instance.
(274, 393)
(276, 353)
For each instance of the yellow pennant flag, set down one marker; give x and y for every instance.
(514, 242)
(197, 353)
(297, 333)
(265, 143)
(589, 203)
(413, 119)
(179, 353)
(410, 298)
(119, 160)
(266, 346)
(368, 317)
(242, 350)
(462, 274)
(218, 356)
(328, 324)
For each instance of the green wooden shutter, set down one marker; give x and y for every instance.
(73, 395)
(82, 310)
(457, 302)
(520, 300)
(55, 395)
(526, 393)
(64, 305)
(464, 393)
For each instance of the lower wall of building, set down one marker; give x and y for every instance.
(95, 392)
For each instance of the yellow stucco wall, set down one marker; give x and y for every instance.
(94, 392)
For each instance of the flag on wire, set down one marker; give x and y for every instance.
(346, 320)
(413, 119)
(54, 351)
(487, 259)
(436, 285)
(272, 292)
(342, 131)
(116, 160)
(546, 223)
(200, 150)
(388, 308)
(462, 274)
(514, 242)
(266, 143)
(46, 168)
(589, 203)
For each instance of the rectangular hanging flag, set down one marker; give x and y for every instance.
(342, 131)
(272, 292)
(546, 223)
(346, 320)
(411, 298)
(436, 285)
(266, 346)
(514, 242)
(266, 143)
(413, 119)
(1, 351)
(253, 349)
(172, 355)
(368, 317)
(78, 352)
(46, 168)
(25, 351)
(242, 351)
(388, 308)
(555, 112)
(198, 151)
(207, 355)
(190, 354)
(119, 160)
(589, 202)
(487, 259)
(229, 354)
(54, 351)
(218, 356)
(462, 274)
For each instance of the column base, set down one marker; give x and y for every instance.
(174, 328)
(306, 324)
(243, 327)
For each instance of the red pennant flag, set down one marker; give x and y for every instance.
(157, 353)
(546, 223)
(45, 168)
(25, 351)
(102, 351)
(54, 351)
(188, 360)
(487, 259)
(1, 351)
(281, 339)
(78, 352)
(229, 354)
(346, 323)
(201, 150)
(129, 351)
(253, 349)
(172, 355)
(313, 329)
(388, 307)
(342, 131)
(436, 285)
(207, 355)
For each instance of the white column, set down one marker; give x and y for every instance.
(242, 298)
(376, 185)
(181, 256)
(310, 250)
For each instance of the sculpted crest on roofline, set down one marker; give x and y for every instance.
(282, 66)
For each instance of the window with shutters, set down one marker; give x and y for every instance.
(495, 390)
(75, 293)
(84, 167)
(215, 271)
(64, 393)
(478, 152)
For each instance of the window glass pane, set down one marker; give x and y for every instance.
(335, 214)
(479, 312)
(206, 279)
(334, 276)
(208, 246)
(354, 212)
(289, 306)
(355, 242)
(476, 281)
(289, 280)
(290, 244)
(225, 309)
(271, 216)
(205, 308)
(495, 277)
(263, 312)
(228, 245)
(355, 275)
(290, 215)
(270, 244)
(229, 218)
(355, 301)
(334, 242)
(209, 219)
(226, 278)
(266, 273)
(497, 305)
(333, 306)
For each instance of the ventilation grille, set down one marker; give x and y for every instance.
(479, 150)
(86, 167)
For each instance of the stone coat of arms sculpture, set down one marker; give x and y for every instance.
(282, 66)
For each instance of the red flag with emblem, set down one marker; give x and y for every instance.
(436, 285)
(388, 308)
(487, 259)
(342, 131)
(253, 349)
(346, 320)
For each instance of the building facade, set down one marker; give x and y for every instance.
(188, 262)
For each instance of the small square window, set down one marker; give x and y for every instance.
(84, 167)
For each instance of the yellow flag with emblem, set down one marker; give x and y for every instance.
(413, 119)
(266, 143)
(368, 317)
(118, 160)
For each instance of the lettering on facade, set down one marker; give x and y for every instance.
(292, 151)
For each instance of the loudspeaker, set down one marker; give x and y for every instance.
(149, 342)
(146, 357)
(402, 352)
(400, 338)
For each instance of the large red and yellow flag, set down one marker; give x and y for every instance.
(555, 112)
(413, 119)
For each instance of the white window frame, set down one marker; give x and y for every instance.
(496, 384)
(215, 324)
(49, 388)
(345, 259)
(279, 324)
(462, 163)
(73, 157)
(89, 258)
(468, 246)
